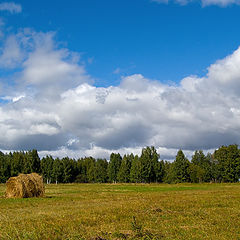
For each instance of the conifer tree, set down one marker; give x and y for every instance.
(47, 168)
(148, 164)
(101, 170)
(113, 167)
(57, 170)
(228, 162)
(180, 168)
(124, 171)
(135, 170)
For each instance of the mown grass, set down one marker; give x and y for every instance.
(124, 211)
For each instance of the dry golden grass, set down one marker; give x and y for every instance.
(124, 211)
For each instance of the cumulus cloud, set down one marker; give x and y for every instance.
(11, 54)
(52, 70)
(42, 68)
(53, 106)
(221, 3)
(226, 72)
(10, 7)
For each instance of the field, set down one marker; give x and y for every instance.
(124, 211)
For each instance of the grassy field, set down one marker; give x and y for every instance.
(124, 211)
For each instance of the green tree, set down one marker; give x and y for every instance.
(57, 170)
(203, 164)
(17, 163)
(135, 170)
(160, 171)
(228, 162)
(180, 168)
(5, 167)
(91, 170)
(32, 162)
(47, 168)
(101, 171)
(68, 170)
(86, 170)
(169, 176)
(124, 171)
(81, 171)
(148, 164)
(196, 173)
(113, 167)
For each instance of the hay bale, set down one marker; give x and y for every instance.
(25, 186)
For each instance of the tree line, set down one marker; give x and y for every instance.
(221, 166)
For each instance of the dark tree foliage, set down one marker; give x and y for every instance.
(228, 163)
(124, 170)
(134, 170)
(180, 168)
(47, 169)
(160, 171)
(89, 170)
(5, 167)
(85, 170)
(12, 164)
(200, 169)
(82, 169)
(57, 171)
(101, 171)
(148, 165)
(114, 166)
(69, 170)
(32, 162)
(169, 176)
(17, 163)
(221, 166)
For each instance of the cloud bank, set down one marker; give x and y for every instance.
(49, 102)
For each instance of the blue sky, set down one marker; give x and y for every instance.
(90, 77)
(161, 41)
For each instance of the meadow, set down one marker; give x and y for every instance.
(124, 211)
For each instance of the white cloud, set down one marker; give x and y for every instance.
(51, 72)
(53, 107)
(13, 98)
(11, 54)
(10, 7)
(226, 72)
(46, 69)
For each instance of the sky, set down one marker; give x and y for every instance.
(87, 78)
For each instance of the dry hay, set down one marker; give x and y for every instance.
(25, 186)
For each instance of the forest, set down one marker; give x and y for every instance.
(221, 166)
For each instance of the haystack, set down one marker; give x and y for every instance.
(25, 186)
